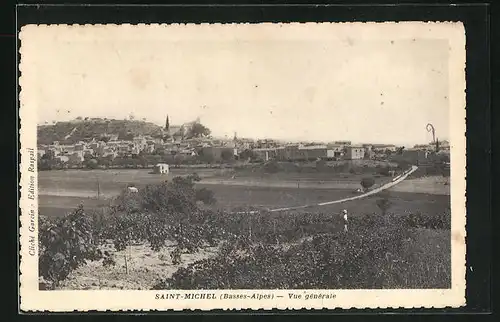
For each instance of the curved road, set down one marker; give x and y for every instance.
(369, 193)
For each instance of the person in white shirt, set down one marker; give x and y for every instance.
(344, 214)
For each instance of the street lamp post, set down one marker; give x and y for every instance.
(430, 128)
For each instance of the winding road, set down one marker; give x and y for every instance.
(364, 195)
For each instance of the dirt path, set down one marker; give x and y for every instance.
(371, 192)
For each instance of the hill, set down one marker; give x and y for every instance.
(80, 130)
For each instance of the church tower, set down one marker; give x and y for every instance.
(167, 125)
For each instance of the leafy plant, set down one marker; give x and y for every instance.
(383, 204)
(370, 257)
(65, 245)
(367, 182)
(166, 211)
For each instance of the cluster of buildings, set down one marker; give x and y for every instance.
(331, 151)
(343, 150)
(216, 150)
(113, 148)
(424, 154)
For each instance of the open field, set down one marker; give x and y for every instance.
(432, 185)
(110, 182)
(83, 183)
(232, 197)
(61, 191)
(227, 197)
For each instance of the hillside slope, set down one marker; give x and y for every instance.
(78, 130)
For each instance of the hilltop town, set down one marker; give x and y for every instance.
(103, 143)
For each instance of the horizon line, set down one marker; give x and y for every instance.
(83, 119)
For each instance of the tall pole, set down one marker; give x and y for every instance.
(98, 190)
(430, 128)
(435, 141)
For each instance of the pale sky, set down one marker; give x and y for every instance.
(379, 89)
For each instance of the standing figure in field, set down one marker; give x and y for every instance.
(344, 215)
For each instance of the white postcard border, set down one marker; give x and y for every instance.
(32, 299)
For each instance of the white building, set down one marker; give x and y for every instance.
(161, 168)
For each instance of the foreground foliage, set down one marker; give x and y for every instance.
(65, 245)
(258, 249)
(372, 255)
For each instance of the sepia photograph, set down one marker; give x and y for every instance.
(242, 166)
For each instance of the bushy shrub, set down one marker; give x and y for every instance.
(420, 220)
(271, 167)
(206, 196)
(374, 253)
(65, 244)
(161, 212)
(384, 171)
(367, 182)
(365, 258)
(383, 204)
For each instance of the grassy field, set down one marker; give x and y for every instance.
(85, 182)
(61, 191)
(232, 197)
(227, 197)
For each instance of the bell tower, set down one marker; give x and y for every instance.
(167, 124)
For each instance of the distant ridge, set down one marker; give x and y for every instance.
(85, 129)
(69, 132)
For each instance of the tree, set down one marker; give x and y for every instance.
(226, 155)
(44, 164)
(65, 244)
(178, 159)
(403, 165)
(446, 174)
(198, 130)
(441, 166)
(206, 196)
(321, 165)
(92, 164)
(437, 145)
(160, 212)
(367, 182)
(128, 137)
(167, 124)
(247, 154)
(206, 157)
(143, 161)
(105, 161)
(384, 170)
(86, 157)
(384, 204)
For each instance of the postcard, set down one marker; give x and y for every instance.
(242, 166)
